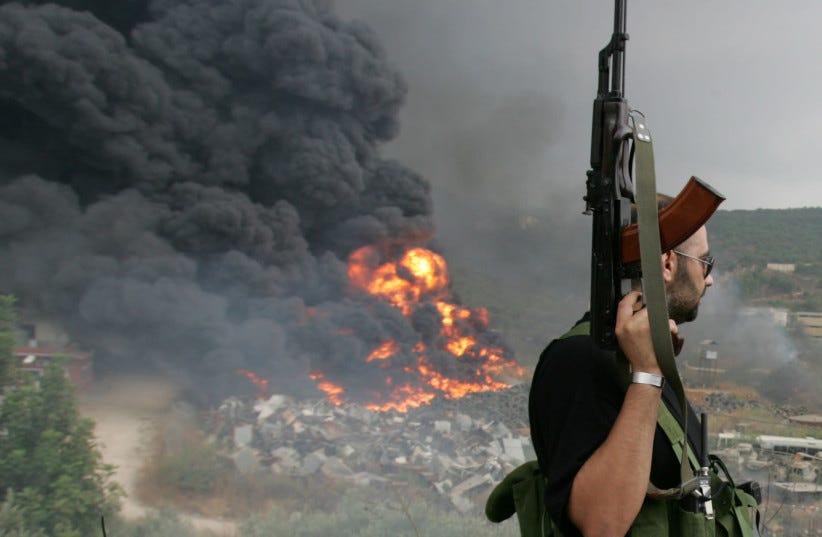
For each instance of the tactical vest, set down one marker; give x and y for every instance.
(522, 492)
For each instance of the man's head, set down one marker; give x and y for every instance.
(686, 275)
(684, 270)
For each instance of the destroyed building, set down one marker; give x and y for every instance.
(461, 448)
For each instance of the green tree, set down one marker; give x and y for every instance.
(12, 522)
(48, 457)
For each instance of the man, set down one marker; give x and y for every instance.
(598, 444)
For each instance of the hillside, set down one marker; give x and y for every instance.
(745, 242)
(754, 238)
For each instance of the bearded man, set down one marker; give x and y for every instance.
(598, 444)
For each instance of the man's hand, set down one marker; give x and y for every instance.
(633, 331)
(623, 461)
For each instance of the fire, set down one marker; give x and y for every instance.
(425, 272)
(259, 382)
(333, 392)
(386, 350)
(407, 397)
(417, 278)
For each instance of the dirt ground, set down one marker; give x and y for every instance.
(128, 411)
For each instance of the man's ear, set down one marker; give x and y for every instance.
(669, 264)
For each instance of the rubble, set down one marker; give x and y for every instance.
(461, 448)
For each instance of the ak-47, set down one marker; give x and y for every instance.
(610, 192)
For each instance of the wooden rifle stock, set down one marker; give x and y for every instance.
(677, 221)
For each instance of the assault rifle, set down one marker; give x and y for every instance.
(610, 192)
(621, 251)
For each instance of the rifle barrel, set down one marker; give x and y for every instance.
(618, 47)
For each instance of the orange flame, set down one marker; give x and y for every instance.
(407, 397)
(332, 391)
(386, 350)
(259, 382)
(425, 273)
(419, 276)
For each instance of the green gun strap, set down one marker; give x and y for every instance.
(675, 434)
(653, 286)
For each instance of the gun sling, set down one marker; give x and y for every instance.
(653, 288)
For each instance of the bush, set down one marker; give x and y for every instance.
(162, 523)
(12, 521)
(194, 474)
(359, 517)
(196, 469)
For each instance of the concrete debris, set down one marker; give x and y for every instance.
(286, 460)
(461, 450)
(442, 426)
(458, 493)
(313, 462)
(365, 479)
(463, 422)
(335, 467)
(243, 435)
(267, 408)
(513, 449)
(247, 461)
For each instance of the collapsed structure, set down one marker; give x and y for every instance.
(461, 448)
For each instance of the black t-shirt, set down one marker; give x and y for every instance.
(574, 401)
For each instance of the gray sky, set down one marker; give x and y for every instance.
(500, 94)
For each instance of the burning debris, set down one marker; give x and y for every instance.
(198, 189)
(461, 448)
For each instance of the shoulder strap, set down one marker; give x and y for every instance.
(674, 432)
(653, 287)
(582, 328)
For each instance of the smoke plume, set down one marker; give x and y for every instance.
(181, 183)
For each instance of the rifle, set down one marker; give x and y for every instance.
(621, 251)
(610, 192)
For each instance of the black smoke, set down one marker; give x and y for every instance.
(182, 181)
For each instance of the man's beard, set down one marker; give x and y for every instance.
(683, 297)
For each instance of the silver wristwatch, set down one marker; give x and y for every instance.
(640, 377)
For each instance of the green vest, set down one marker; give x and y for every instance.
(522, 492)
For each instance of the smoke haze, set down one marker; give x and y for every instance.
(181, 183)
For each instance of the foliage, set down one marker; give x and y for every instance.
(744, 242)
(48, 457)
(163, 523)
(12, 521)
(198, 469)
(757, 282)
(754, 238)
(195, 476)
(357, 517)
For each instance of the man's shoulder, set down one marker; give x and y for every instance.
(575, 352)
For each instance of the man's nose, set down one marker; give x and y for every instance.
(709, 280)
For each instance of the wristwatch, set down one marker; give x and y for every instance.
(641, 377)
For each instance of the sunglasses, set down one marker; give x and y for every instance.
(707, 260)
